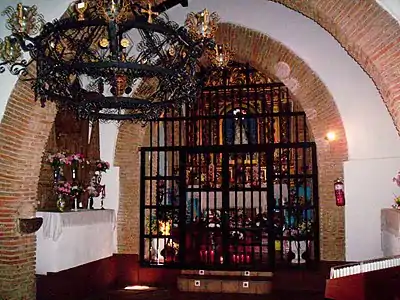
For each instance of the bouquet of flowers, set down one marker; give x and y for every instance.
(75, 159)
(239, 218)
(76, 190)
(261, 220)
(396, 180)
(212, 218)
(102, 166)
(63, 189)
(303, 229)
(92, 191)
(57, 160)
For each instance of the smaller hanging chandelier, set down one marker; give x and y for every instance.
(98, 60)
(220, 56)
(204, 25)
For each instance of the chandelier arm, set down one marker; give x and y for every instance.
(69, 23)
(83, 50)
(112, 29)
(22, 38)
(122, 117)
(120, 65)
(153, 43)
(141, 24)
(117, 102)
(19, 67)
(2, 64)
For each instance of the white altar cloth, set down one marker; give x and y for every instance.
(238, 199)
(70, 239)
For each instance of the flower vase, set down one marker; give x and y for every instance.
(158, 245)
(90, 202)
(73, 171)
(298, 248)
(75, 204)
(61, 203)
(56, 174)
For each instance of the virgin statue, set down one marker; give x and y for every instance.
(240, 133)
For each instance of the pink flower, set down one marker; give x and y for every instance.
(396, 179)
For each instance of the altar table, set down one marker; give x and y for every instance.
(70, 239)
(390, 231)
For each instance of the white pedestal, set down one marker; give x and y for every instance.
(298, 248)
(158, 245)
(390, 231)
(70, 239)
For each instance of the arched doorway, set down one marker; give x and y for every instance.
(231, 182)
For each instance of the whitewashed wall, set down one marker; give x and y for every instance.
(391, 6)
(371, 136)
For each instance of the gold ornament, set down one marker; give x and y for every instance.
(81, 7)
(149, 12)
(125, 43)
(103, 43)
(172, 51)
(202, 24)
(120, 84)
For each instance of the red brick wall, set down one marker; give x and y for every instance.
(368, 33)
(24, 131)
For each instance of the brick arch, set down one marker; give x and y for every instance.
(127, 157)
(369, 34)
(266, 54)
(24, 131)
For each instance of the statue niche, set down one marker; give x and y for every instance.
(240, 129)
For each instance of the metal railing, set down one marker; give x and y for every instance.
(364, 266)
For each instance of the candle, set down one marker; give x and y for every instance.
(242, 258)
(212, 256)
(221, 260)
(248, 259)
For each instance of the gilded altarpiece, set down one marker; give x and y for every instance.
(233, 116)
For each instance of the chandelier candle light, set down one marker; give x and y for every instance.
(96, 61)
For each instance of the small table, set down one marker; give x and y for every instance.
(70, 239)
(390, 231)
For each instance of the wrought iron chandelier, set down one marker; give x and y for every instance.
(110, 59)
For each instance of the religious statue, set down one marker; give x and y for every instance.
(240, 133)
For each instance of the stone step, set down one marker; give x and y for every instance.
(226, 282)
(226, 273)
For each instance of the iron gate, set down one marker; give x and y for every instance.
(230, 183)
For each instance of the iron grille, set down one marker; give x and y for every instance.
(231, 183)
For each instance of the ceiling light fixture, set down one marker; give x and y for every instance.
(100, 59)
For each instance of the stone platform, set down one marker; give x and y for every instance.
(243, 282)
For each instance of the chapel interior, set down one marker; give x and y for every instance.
(172, 149)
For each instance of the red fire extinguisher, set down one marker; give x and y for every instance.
(339, 192)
